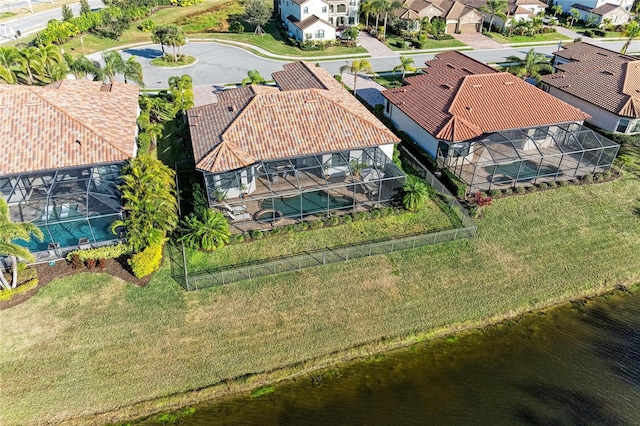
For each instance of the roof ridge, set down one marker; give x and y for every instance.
(233, 149)
(357, 114)
(73, 118)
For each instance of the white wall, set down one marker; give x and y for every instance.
(419, 135)
(329, 31)
(604, 119)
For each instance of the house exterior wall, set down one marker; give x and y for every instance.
(604, 119)
(419, 135)
(325, 10)
(618, 16)
(566, 4)
(340, 18)
(311, 33)
(499, 22)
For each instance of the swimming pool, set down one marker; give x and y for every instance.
(528, 170)
(306, 203)
(67, 234)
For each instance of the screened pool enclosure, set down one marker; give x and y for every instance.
(74, 208)
(528, 156)
(280, 192)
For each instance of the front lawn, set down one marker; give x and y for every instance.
(397, 43)
(147, 346)
(500, 38)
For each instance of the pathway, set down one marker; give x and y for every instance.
(478, 41)
(375, 47)
(572, 34)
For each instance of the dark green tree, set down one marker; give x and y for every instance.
(67, 13)
(257, 13)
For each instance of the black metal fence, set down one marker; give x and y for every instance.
(201, 279)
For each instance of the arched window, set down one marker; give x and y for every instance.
(342, 8)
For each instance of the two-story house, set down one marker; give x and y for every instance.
(316, 20)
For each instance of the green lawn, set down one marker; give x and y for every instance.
(527, 39)
(92, 344)
(431, 218)
(392, 42)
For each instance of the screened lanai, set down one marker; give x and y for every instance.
(73, 207)
(280, 192)
(528, 156)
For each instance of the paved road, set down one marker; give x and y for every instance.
(219, 64)
(32, 23)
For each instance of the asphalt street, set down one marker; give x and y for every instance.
(219, 64)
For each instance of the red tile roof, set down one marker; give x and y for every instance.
(463, 106)
(606, 79)
(45, 124)
(249, 126)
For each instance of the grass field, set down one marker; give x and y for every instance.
(92, 344)
(392, 43)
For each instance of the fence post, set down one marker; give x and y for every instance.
(455, 236)
(184, 262)
(346, 254)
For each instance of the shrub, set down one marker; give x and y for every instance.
(507, 191)
(315, 224)
(333, 220)
(359, 216)
(588, 33)
(256, 234)
(102, 263)
(414, 193)
(607, 174)
(107, 252)
(553, 184)
(531, 188)
(543, 185)
(236, 238)
(587, 178)
(474, 211)
(76, 262)
(481, 199)
(495, 193)
(375, 213)
(147, 25)
(387, 211)
(597, 176)
(185, 3)
(275, 231)
(236, 27)
(288, 229)
(147, 261)
(562, 183)
(302, 226)
(520, 190)
(91, 263)
(26, 286)
(347, 218)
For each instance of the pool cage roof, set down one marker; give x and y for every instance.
(349, 179)
(553, 152)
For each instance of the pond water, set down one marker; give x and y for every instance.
(578, 364)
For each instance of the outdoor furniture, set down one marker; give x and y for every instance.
(235, 209)
(238, 217)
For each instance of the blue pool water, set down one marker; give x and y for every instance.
(529, 170)
(67, 234)
(306, 203)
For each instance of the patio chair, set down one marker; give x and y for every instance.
(235, 209)
(238, 217)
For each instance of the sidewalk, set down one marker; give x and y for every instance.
(375, 47)
(574, 35)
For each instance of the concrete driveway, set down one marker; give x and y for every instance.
(478, 41)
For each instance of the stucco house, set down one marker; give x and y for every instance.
(459, 17)
(617, 14)
(516, 10)
(272, 156)
(316, 20)
(593, 4)
(603, 83)
(65, 144)
(492, 129)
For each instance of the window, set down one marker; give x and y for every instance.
(331, 21)
(305, 10)
(387, 105)
(635, 126)
(622, 125)
(320, 34)
(352, 20)
(453, 150)
(324, 9)
(339, 159)
(342, 8)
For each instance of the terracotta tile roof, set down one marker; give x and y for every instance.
(584, 52)
(611, 84)
(281, 124)
(607, 8)
(298, 75)
(466, 106)
(455, 60)
(44, 123)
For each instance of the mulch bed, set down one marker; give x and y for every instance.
(114, 267)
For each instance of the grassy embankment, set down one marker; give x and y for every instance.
(527, 39)
(91, 344)
(208, 20)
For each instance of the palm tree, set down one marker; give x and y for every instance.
(533, 65)
(387, 7)
(181, 89)
(556, 9)
(253, 77)
(367, 8)
(52, 61)
(29, 62)
(114, 65)
(209, 232)
(132, 70)
(574, 15)
(160, 35)
(404, 66)
(495, 8)
(631, 31)
(9, 232)
(149, 196)
(82, 66)
(8, 59)
(357, 66)
(415, 194)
